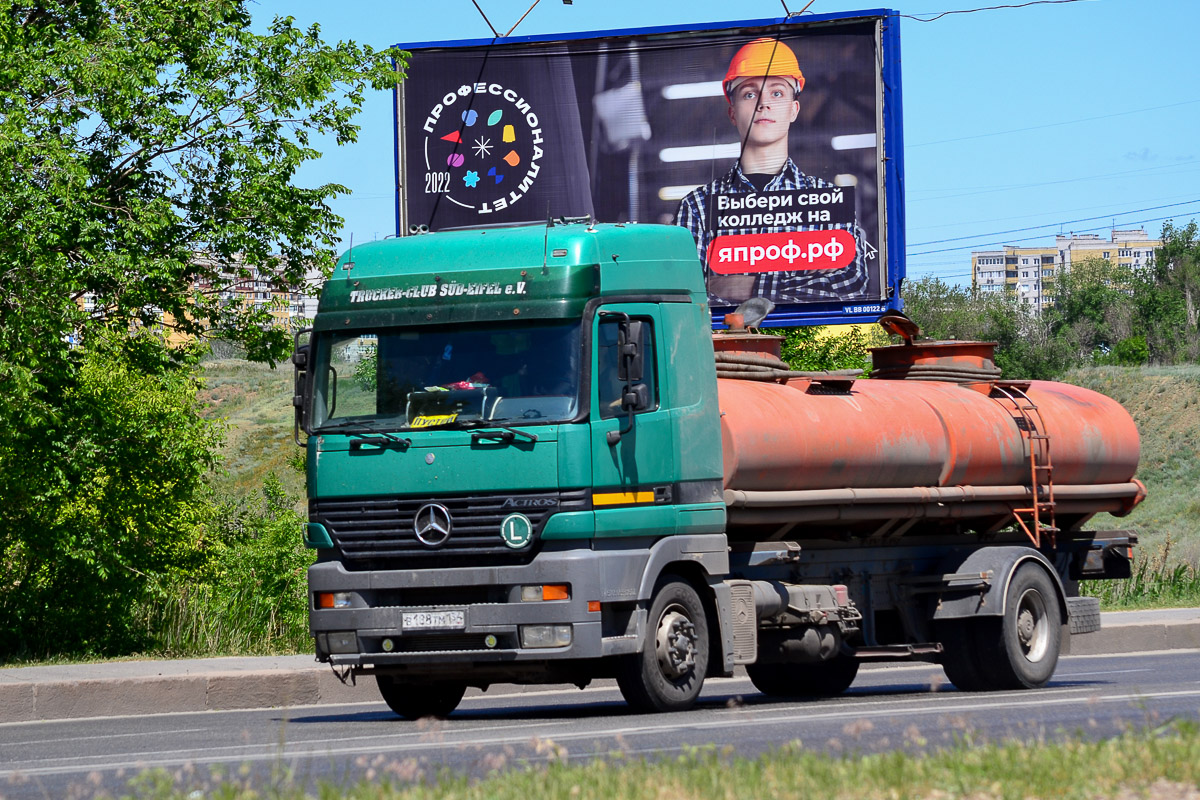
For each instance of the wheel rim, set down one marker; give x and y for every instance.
(675, 642)
(1033, 626)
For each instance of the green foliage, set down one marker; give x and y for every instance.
(102, 491)
(820, 347)
(1026, 347)
(366, 371)
(1103, 313)
(1158, 581)
(147, 158)
(148, 161)
(249, 595)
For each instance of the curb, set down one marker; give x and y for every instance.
(34, 694)
(170, 694)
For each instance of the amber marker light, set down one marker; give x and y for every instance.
(593, 605)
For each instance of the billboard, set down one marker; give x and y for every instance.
(777, 143)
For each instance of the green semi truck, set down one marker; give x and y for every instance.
(531, 460)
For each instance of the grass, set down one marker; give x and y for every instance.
(1165, 405)
(255, 402)
(240, 621)
(1158, 581)
(1163, 762)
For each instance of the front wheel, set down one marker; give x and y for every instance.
(669, 672)
(418, 700)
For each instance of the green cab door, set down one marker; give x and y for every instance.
(631, 478)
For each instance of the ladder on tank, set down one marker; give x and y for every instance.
(1037, 521)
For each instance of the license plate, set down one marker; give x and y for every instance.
(425, 620)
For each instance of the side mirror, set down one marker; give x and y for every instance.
(636, 397)
(631, 362)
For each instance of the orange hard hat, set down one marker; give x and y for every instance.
(762, 58)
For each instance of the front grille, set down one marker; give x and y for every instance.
(378, 533)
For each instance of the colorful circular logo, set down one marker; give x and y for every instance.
(516, 530)
(483, 147)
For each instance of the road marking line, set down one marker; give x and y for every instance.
(449, 737)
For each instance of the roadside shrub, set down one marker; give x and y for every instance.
(250, 595)
(102, 487)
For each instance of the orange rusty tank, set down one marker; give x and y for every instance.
(935, 434)
(881, 433)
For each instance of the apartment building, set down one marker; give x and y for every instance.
(1028, 272)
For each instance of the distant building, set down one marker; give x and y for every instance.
(1029, 272)
(292, 309)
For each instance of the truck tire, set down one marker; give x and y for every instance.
(669, 672)
(418, 700)
(960, 656)
(1020, 649)
(822, 679)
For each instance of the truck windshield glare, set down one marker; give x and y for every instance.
(412, 378)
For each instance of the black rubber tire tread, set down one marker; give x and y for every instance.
(420, 700)
(641, 680)
(960, 658)
(822, 679)
(1002, 662)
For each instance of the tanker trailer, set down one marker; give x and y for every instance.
(949, 502)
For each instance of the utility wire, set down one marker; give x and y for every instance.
(1016, 186)
(1053, 124)
(1028, 238)
(485, 19)
(522, 19)
(1053, 224)
(936, 17)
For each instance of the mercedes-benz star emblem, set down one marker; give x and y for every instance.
(433, 524)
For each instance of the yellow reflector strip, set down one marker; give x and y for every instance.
(618, 498)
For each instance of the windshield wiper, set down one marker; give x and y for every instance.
(366, 430)
(505, 434)
(381, 438)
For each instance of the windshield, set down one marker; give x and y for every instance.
(398, 378)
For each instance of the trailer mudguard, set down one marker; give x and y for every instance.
(963, 597)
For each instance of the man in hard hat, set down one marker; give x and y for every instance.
(763, 85)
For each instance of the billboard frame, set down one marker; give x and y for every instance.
(891, 167)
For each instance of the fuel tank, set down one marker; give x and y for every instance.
(901, 441)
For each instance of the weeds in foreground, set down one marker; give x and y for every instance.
(1163, 762)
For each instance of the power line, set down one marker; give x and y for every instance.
(1012, 187)
(1027, 238)
(1038, 215)
(1053, 224)
(938, 16)
(1053, 124)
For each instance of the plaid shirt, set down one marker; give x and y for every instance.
(843, 283)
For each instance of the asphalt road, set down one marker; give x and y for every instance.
(910, 707)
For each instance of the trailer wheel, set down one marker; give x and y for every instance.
(822, 679)
(1020, 650)
(960, 658)
(669, 672)
(418, 700)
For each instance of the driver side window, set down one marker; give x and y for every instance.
(609, 386)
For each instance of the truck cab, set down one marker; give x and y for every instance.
(513, 437)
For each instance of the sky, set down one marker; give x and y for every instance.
(1019, 123)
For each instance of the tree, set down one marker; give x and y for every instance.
(148, 157)
(1177, 266)
(1026, 346)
